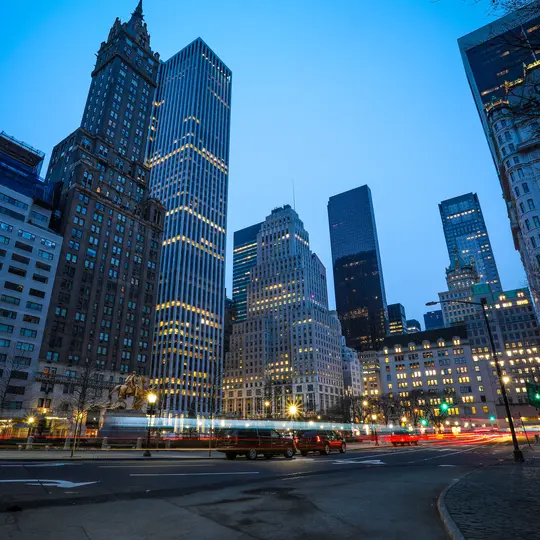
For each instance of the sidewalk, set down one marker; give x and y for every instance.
(499, 501)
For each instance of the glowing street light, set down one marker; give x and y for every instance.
(365, 403)
(151, 398)
(403, 419)
(293, 410)
(267, 403)
(506, 379)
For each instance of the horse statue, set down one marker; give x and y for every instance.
(136, 387)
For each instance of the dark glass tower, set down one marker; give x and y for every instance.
(397, 320)
(188, 154)
(466, 234)
(102, 306)
(358, 278)
(244, 259)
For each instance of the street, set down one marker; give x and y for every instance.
(369, 493)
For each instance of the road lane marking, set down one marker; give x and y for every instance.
(194, 474)
(51, 483)
(444, 455)
(156, 465)
(38, 465)
(354, 462)
(447, 465)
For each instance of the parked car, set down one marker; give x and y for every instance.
(322, 441)
(403, 437)
(252, 442)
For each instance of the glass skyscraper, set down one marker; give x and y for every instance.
(188, 154)
(397, 319)
(358, 278)
(466, 234)
(244, 259)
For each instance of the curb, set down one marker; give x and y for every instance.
(452, 530)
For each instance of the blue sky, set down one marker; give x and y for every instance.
(331, 94)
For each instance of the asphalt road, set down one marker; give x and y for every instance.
(25, 485)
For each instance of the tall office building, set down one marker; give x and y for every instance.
(244, 259)
(466, 234)
(495, 55)
(433, 320)
(29, 256)
(188, 154)
(501, 63)
(288, 350)
(102, 305)
(358, 278)
(397, 320)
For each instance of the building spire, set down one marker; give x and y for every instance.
(138, 10)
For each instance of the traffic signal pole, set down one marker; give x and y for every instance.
(518, 454)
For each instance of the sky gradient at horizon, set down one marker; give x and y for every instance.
(332, 95)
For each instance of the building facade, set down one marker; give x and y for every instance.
(460, 277)
(466, 234)
(413, 326)
(188, 155)
(352, 371)
(513, 122)
(288, 350)
(244, 259)
(438, 365)
(397, 319)
(102, 305)
(29, 255)
(356, 261)
(433, 319)
(516, 334)
(371, 373)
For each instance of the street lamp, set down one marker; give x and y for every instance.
(518, 454)
(30, 420)
(293, 410)
(151, 398)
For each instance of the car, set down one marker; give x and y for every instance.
(403, 437)
(319, 440)
(253, 442)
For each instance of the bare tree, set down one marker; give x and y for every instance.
(84, 392)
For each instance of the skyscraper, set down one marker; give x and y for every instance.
(288, 350)
(397, 320)
(413, 326)
(244, 259)
(188, 154)
(496, 53)
(500, 60)
(466, 234)
(102, 305)
(433, 320)
(358, 278)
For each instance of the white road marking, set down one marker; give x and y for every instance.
(193, 474)
(39, 465)
(52, 483)
(447, 465)
(354, 462)
(156, 465)
(444, 455)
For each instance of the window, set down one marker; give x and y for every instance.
(525, 187)
(23, 246)
(10, 299)
(37, 292)
(530, 203)
(5, 342)
(13, 286)
(40, 218)
(8, 314)
(4, 239)
(6, 328)
(17, 271)
(35, 306)
(48, 243)
(19, 258)
(40, 278)
(43, 266)
(45, 255)
(23, 346)
(14, 202)
(27, 332)
(26, 234)
(31, 319)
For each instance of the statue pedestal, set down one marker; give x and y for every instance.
(124, 424)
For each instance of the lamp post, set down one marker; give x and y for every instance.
(518, 454)
(151, 398)
(30, 421)
(268, 410)
(374, 419)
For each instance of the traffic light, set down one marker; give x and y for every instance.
(424, 422)
(444, 407)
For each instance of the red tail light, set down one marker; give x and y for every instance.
(318, 439)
